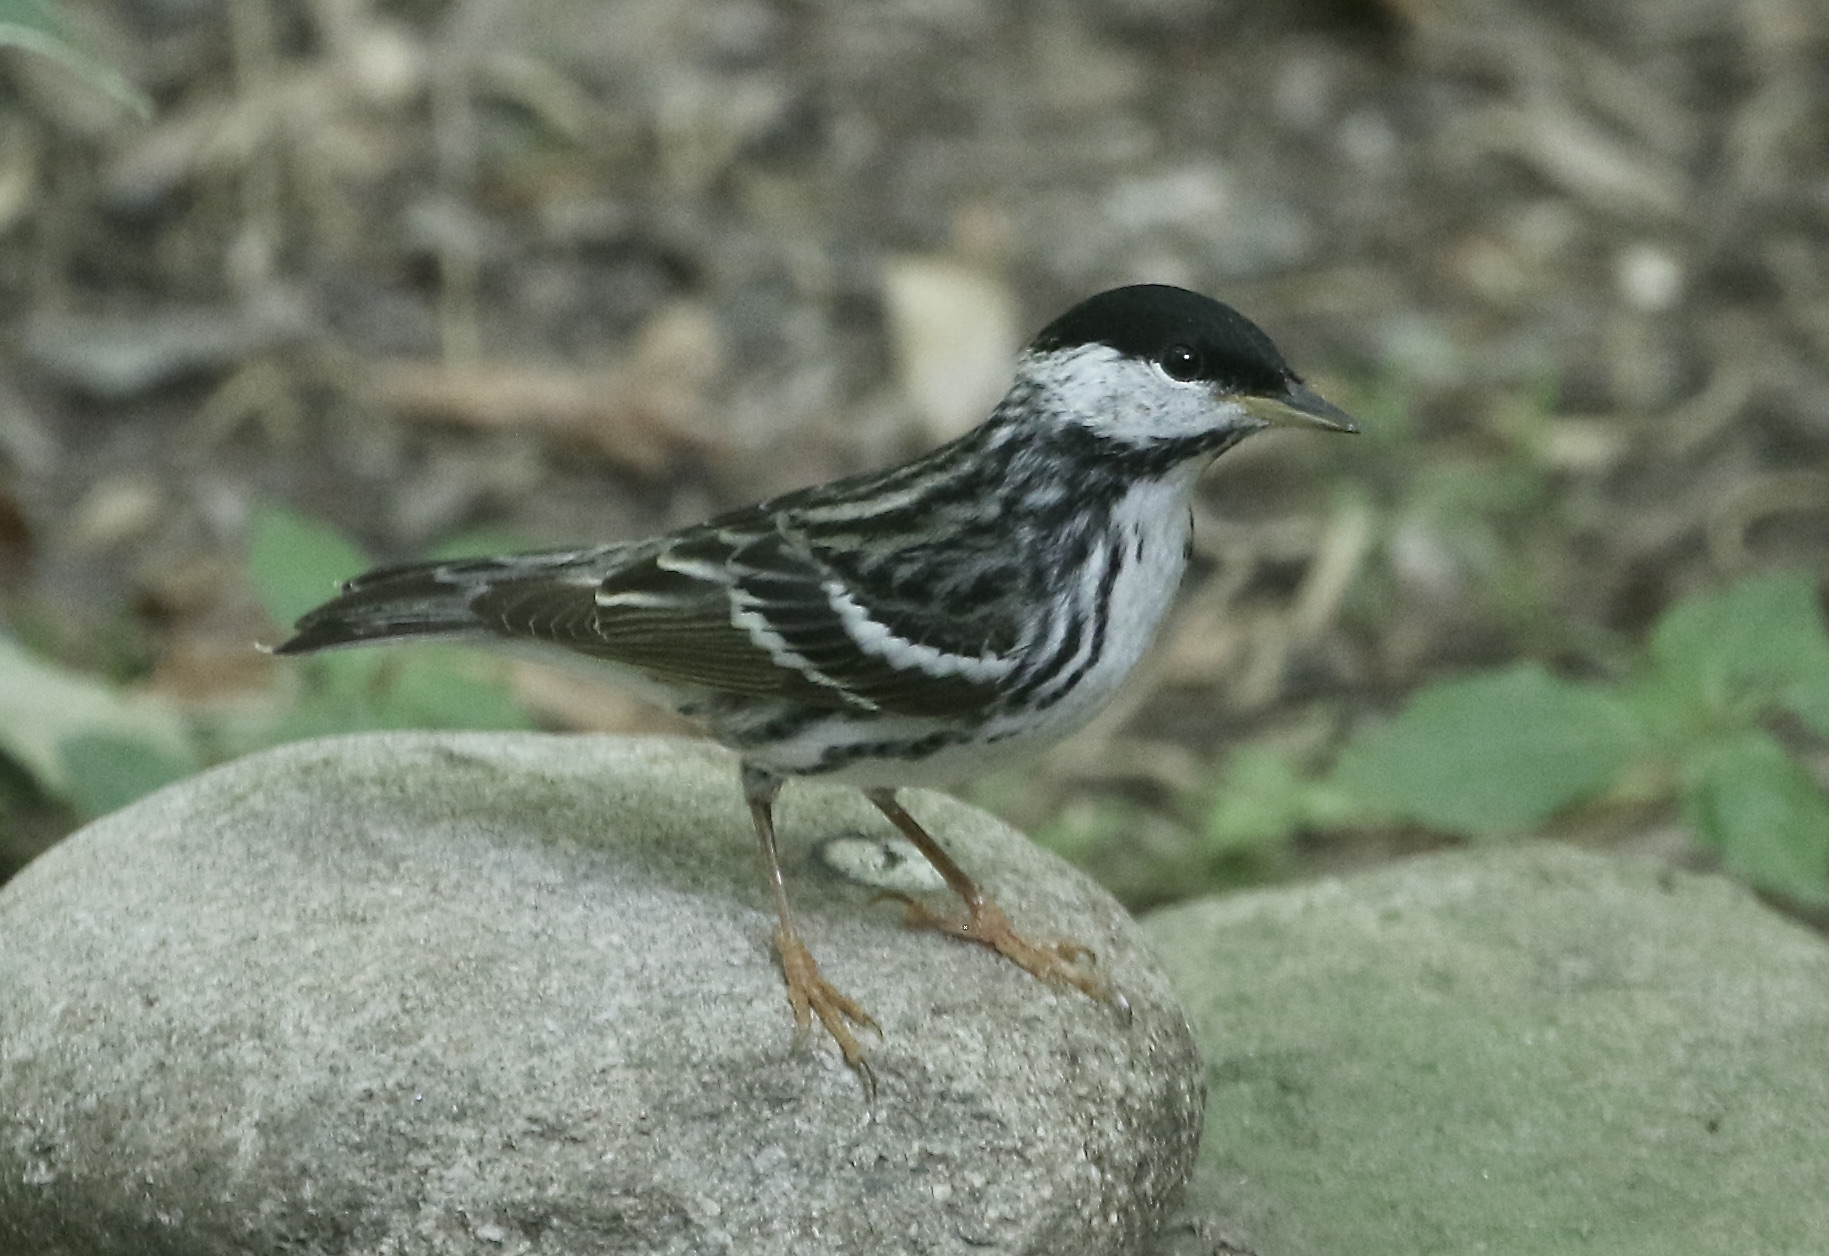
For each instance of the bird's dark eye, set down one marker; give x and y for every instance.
(1182, 362)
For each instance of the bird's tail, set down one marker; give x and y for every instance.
(412, 601)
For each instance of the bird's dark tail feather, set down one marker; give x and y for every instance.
(393, 603)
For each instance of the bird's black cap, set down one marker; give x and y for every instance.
(1146, 320)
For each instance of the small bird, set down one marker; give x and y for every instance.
(908, 626)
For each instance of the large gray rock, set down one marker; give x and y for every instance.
(412, 993)
(1532, 1050)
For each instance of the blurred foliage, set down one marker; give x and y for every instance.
(1487, 755)
(1486, 512)
(94, 746)
(1729, 680)
(63, 728)
(36, 27)
(296, 564)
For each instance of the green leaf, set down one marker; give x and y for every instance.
(44, 706)
(1765, 813)
(417, 686)
(1492, 754)
(106, 772)
(1260, 802)
(1758, 642)
(1265, 800)
(35, 27)
(297, 564)
(442, 687)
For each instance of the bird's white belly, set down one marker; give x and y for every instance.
(1149, 542)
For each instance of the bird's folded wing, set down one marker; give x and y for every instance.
(751, 612)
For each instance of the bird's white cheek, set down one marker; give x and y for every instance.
(1172, 415)
(1126, 399)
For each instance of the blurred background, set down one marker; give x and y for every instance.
(290, 286)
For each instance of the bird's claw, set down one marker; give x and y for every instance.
(1058, 961)
(810, 995)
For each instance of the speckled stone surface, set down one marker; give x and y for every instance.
(1522, 1049)
(408, 993)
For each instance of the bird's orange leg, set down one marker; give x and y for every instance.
(1055, 960)
(808, 992)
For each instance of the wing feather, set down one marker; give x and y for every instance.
(749, 611)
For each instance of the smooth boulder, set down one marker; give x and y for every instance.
(504, 993)
(1525, 1049)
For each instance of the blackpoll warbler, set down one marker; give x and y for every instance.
(914, 625)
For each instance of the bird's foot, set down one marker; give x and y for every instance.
(812, 995)
(1058, 961)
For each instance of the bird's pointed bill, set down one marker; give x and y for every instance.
(1299, 406)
